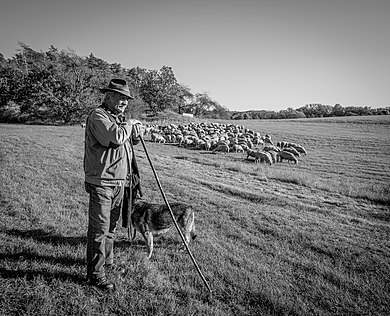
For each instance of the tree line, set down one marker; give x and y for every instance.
(311, 111)
(60, 87)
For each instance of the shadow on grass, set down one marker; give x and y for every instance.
(163, 241)
(31, 274)
(42, 236)
(259, 301)
(33, 258)
(47, 237)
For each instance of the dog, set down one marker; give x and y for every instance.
(155, 219)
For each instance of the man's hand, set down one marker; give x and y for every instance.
(137, 127)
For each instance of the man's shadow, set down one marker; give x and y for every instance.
(50, 237)
(42, 236)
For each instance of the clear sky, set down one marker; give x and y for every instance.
(246, 54)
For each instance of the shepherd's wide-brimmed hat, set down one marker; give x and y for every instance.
(118, 85)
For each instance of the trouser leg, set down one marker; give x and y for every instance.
(99, 227)
(99, 212)
(114, 217)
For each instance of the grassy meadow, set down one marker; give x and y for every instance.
(285, 239)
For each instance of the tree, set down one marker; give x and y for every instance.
(338, 110)
(70, 88)
(2, 60)
(290, 113)
(184, 97)
(316, 110)
(158, 88)
(58, 88)
(219, 112)
(203, 104)
(10, 83)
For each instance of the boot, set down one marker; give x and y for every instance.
(102, 284)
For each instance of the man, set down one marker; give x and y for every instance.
(107, 167)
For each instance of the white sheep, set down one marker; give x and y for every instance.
(237, 148)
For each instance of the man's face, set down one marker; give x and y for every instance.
(120, 102)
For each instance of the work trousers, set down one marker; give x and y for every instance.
(104, 211)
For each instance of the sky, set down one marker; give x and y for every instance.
(246, 54)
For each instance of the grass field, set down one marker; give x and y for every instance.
(286, 239)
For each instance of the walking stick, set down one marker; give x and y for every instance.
(173, 217)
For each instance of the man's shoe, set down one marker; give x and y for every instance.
(112, 267)
(102, 284)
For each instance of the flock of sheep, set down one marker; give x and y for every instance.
(227, 138)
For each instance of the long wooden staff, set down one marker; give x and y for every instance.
(173, 217)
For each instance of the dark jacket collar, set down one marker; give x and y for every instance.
(110, 109)
(117, 114)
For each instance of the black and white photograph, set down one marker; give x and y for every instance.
(195, 157)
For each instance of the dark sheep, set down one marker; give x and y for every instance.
(292, 150)
(300, 149)
(271, 148)
(287, 156)
(263, 157)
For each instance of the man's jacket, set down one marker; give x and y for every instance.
(107, 155)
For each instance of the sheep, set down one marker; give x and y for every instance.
(201, 144)
(223, 148)
(168, 138)
(281, 144)
(223, 142)
(250, 153)
(268, 141)
(213, 143)
(257, 141)
(289, 144)
(271, 148)
(148, 130)
(233, 141)
(157, 138)
(153, 137)
(300, 149)
(179, 138)
(260, 156)
(237, 148)
(292, 150)
(187, 141)
(245, 147)
(207, 145)
(173, 138)
(161, 139)
(273, 155)
(215, 133)
(263, 157)
(287, 156)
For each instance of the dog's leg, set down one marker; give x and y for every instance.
(148, 236)
(134, 233)
(193, 231)
(187, 232)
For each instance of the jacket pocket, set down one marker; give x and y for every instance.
(111, 169)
